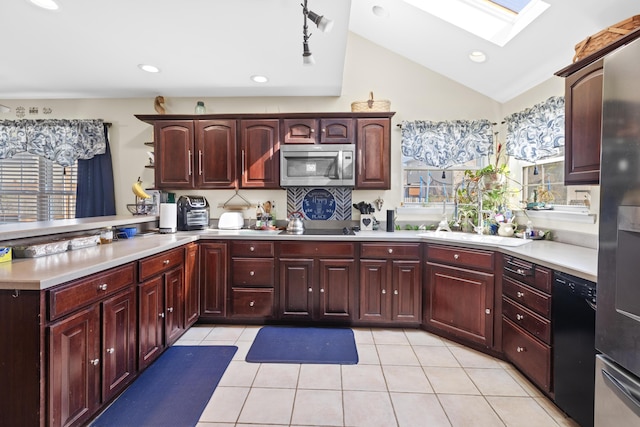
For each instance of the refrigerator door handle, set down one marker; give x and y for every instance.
(624, 391)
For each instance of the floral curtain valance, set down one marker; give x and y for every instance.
(62, 141)
(537, 132)
(445, 144)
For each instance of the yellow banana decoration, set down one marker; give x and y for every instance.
(139, 191)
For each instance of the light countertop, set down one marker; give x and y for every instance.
(44, 272)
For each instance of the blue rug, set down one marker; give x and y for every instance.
(283, 344)
(173, 391)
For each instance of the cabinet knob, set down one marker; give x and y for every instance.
(520, 271)
(520, 294)
(519, 316)
(102, 287)
(161, 315)
(165, 262)
(521, 349)
(395, 292)
(310, 290)
(95, 362)
(390, 250)
(384, 291)
(252, 273)
(487, 311)
(251, 248)
(252, 303)
(456, 256)
(110, 350)
(170, 309)
(321, 290)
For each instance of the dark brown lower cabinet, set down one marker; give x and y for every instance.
(213, 280)
(151, 321)
(191, 288)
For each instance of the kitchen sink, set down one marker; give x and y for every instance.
(323, 232)
(242, 232)
(478, 239)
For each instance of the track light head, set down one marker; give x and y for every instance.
(324, 24)
(307, 57)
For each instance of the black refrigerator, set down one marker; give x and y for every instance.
(617, 376)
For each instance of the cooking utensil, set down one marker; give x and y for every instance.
(295, 225)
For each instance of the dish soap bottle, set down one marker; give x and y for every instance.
(259, 216)
(528, 232)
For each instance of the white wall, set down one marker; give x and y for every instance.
(414, 91)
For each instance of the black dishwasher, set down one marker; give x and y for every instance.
(573, 322)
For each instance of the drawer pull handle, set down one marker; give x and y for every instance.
(519, 316)
(252, 273)
(310, 290)
(110, 350)
(384, 291)
(456, 256)
(161, 315)
(521, 349)
(252, 303)
(165, 262)
(251, 248)
(520, 294)
(390, 250)
(94, 362)
(170, 309)
(102, 287)
(487, 311)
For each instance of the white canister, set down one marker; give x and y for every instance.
(168, 217)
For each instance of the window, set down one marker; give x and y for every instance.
(33, 188)
(424, 185)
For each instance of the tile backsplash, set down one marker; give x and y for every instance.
(330, 203)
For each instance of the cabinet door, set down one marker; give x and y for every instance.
(335, 290)
(74, 368)
(300, 131)
(337, 131)
(296, 292)
(374, 154)
(119, 337)
(191, 290)
(373, 290)
(583, 125)
(174, 308)
(151, 321)
(213, 280)
(460, 302)
(407, 291)
(260, 159)
(215, 157)
(174, 151)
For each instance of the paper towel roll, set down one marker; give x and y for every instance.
(168, 217)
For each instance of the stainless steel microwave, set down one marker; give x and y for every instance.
(326, 165)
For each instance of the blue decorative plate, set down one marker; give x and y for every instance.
(319, 204)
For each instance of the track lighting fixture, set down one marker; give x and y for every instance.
(323, 25)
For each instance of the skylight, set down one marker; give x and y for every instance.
(497, 21)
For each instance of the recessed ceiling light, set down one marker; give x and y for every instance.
(46, 4)
(149, 68)
(380, 11)
(477, 56)
(259, 79)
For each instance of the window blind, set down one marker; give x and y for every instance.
(36, 189)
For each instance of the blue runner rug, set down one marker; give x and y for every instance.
(173, 391)
(282, 344)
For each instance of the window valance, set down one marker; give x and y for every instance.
(62, 141)
(445, 144)
(537, 132)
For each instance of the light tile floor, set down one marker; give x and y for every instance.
(404, 377)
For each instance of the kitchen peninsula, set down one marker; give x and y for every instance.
(64, 302)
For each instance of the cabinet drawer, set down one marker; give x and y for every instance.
(461, 257)
(526, 272)
(252, 249)
(390, 250)
(334, 249)
(537, 325)
(531, 356)
(252, 271)
(74, 295)
(251, 302)
(527, 296)
(157, 264)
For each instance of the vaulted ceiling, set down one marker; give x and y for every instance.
(89, 49)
